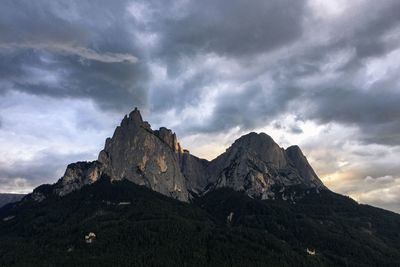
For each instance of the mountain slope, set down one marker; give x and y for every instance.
(135, 226)
(6, 198)
(340, 231)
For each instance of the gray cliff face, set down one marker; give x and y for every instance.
(195, 172)
(169, 138)
(142, 156)
(263, 147)
(304, 169)
(78, 175)
(255, 164)
(154, 158)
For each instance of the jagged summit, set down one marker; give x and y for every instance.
(254, 163)
(145, 157)
(136, 116)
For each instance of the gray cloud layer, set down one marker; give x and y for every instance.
(71, 50)
(208, 67)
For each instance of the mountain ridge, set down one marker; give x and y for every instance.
(254, 163)
(256, 204)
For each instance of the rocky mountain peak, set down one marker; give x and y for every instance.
(143, 156)
(135, 116)
(262, 146)
(257, 165)
(254, 138)
(78, 175)
(169, 137)
(132, 122)
(254, 163)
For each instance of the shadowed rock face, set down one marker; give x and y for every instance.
(196, 173)
(154, 158)
(300, 163)
(255, 164)
(78, 175)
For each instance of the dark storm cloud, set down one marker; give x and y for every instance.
(243, 31)
(248, 108)
(112, 85)
(34, 22)
(238, 30)
(375, 111)
(369, 39)
(234, 28)
(79, 50)
(185, 93)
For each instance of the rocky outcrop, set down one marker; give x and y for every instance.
(78, 175)
(154, 158)
(195, 171)
(145, 157)
(300, 163)
(255, 164)
(168, 137)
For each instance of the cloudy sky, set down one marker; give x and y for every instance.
(320, 74)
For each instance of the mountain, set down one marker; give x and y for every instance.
(257, 165)
(6, 198)
(154, 158)
(146, 201)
